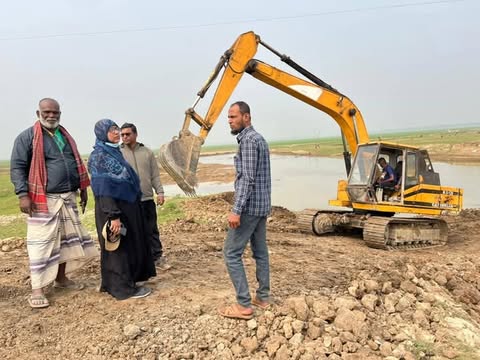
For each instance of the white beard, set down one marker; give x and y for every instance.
(49, 125)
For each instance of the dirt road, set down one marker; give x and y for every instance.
(333, 298)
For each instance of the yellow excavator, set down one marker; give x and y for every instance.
(415, 197)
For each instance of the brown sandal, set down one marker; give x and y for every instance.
(234, 312)
(264, 305)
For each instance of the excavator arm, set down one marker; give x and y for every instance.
(180, 156)
(338, 106)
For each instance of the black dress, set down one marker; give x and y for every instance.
(132, 261)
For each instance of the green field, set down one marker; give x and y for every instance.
(13, 224)
(332, 146)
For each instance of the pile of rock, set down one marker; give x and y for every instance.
(386, 315)
(11, 243)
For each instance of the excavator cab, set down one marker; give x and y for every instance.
(415, 190)
(415, 184)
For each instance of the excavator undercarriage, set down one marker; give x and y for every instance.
(380, 232)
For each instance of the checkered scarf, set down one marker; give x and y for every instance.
(37, 177)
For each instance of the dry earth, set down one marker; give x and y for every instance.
(333, 298)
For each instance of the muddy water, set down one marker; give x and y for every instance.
(300, 182)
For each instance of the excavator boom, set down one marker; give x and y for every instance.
(180, 157)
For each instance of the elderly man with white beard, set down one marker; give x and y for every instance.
(47, 172)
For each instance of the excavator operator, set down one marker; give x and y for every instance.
(387, 179)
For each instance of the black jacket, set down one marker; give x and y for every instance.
(62, 171)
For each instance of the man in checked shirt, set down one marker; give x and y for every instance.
(248, 218)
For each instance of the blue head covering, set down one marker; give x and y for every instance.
(111, 175)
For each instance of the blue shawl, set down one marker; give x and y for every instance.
(111, 175)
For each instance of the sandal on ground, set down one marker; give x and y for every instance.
(264, 305)
(38, 301)
(234, 312)
(69, 284)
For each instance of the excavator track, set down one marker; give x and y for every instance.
(305, 220)
(404, 233)
(318, 222)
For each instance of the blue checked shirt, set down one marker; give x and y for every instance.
(253, 183)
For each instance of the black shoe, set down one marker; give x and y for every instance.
(141, 292)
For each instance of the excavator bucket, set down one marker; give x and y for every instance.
(180, 157)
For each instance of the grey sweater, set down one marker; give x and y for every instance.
(145, 165)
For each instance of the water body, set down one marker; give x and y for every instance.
(300, 182)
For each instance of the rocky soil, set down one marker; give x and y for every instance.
(333, 298)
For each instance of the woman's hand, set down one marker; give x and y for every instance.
(115, 226)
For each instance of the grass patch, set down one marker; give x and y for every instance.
(422, 349)
(218, 148)
(171, 210)
(8, 199)
(88, 220)
(15, 228)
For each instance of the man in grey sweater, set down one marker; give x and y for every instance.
(145, 165)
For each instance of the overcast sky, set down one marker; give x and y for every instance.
(405, 64)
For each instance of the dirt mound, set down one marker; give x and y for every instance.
(333, 298)
(209, 213)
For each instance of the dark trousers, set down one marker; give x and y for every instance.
(151, 228)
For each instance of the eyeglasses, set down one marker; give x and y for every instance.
(126, 134)
(114, 129)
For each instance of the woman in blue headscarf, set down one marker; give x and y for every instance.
(116, 188)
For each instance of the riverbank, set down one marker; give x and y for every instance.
(458, 154)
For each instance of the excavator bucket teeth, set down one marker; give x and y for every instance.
(180, 157)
